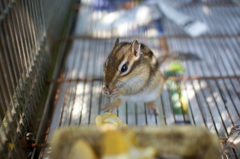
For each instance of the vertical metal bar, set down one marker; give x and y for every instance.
(87, 56)
(9, 55)
(17, 50)
(190, 109)
(41, 17)
(89, 71)
(178, 46)
(230, 11)
(4, 101)
(179, 84)
(29, 33)
(34, 10)
(20, 43)
(33, 29)
(7, 110)
(5, 85)
(16, 64)
(224, 67)
(226, 58)
(16, 60)
(96, 95)
(75, 67)
(212, 93)
(201, 94)
(25, 40)
(65, 106)
(19, 56)
(7, 71)
(94, 72)
(11, 65)
(24, 54)
(71, 71)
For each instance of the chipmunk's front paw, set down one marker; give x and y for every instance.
(110, 107)
(115, 93)
(112, 93)
(106, 91)
(113, 105)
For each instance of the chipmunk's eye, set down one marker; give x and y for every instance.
(124, 68)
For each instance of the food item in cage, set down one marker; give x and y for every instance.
(137, 143)
(70, 142)
(180, 142)
(81, 150)
(121, 145)
(77, 143)
(108, 119)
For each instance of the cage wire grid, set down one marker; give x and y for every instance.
(26, 35)
(209, 88)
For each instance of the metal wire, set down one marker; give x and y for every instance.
(27, 32)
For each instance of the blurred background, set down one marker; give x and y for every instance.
(52, 55)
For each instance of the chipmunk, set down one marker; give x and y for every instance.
(131, 72)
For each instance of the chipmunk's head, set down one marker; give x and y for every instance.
(122, 65)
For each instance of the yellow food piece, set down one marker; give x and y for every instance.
(114, 143)
(142, 153)
(134, 153)
(81, 150)
(120, 145)
(10, 145)
(108, 118)
(121, 156)
(184, 103)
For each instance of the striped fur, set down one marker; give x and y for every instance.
(142, 78)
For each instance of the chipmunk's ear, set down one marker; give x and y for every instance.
(136, 48)
(116, 42)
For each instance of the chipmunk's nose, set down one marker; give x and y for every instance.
(106, 90)
(107, 86)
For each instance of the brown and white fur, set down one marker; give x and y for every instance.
(131, 72)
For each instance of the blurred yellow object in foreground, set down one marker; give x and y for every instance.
(81, 150)
(108, 119)
(120, 145)
(114, 142)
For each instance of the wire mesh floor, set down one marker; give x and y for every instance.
(209, 89)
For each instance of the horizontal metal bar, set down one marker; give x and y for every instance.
(212, 4)
(192, 3)
(34, 145)
(86, 37)
(173, 78)
(185, 78)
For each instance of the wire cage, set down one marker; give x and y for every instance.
(76, 38)
(28, 32)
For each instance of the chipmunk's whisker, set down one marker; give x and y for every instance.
(122, 83)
